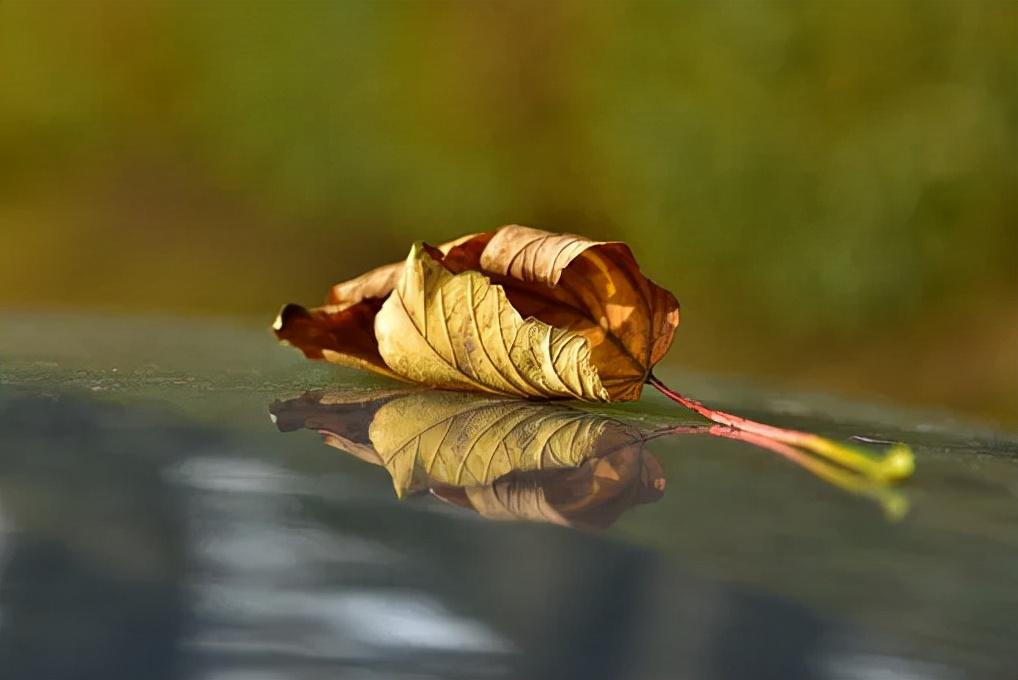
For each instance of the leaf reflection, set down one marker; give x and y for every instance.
(511, 459)
(503, 458)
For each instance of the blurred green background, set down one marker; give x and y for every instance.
(830, 188)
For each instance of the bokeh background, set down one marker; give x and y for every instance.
(830, 188)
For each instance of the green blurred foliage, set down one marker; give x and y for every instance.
(829, 187)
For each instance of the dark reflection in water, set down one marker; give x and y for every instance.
(93, 553)
(503, 458)
(136, 545)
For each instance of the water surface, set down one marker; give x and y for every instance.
(171, 506)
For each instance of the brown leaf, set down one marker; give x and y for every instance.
(528, 313)
(593, 288)
(519, 311)
(339, 334)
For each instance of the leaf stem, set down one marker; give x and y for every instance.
(896, 464)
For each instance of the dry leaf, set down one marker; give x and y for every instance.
(526, 313)
(517, 311)
(503, 458)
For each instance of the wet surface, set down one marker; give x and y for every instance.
(185, 500)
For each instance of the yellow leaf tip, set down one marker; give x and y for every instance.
(898, 463)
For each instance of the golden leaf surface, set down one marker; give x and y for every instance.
(516, 311)
(459, 331)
